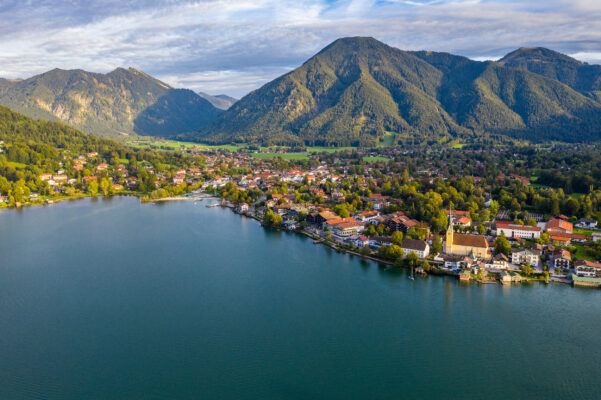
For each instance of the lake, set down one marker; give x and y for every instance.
(114, 299)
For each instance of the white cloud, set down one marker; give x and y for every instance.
(234, 46)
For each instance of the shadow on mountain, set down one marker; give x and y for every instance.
(178, 111)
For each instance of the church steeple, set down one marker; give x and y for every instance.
(449, 236)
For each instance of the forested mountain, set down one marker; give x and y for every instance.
(122, 102)
(580, 76)
(221, 101)
(359, 91)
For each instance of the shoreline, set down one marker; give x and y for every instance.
(434, 271)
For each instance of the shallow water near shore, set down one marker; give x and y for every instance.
(112, 298)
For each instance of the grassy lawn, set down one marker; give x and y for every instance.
(458, 146)
(375, 159)
(318, 149)
(177, 145)
(283, 156)
(581, 231)
(16, 164)
(580, 253)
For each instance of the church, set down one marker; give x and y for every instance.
(461, 244)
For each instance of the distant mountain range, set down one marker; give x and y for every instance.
(359, 91)
(221, 101)
(122, 102)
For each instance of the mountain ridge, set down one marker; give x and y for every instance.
(357, 91)
(120, 102)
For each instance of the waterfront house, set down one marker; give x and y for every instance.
(561, 258)
(500, 261)
(359, 240)
(348, 228)
(587, 268)
(524, 256)
(419, 247)
(242, 208)
(379, 241)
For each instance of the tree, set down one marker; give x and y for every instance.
(105, 186)
(92, 187)
(481, 229)
(412, 259)
(271, 219)
(494, 207)
(526, 269)
(502, 244)
(436, 245)
(397, 237)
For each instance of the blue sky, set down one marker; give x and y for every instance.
(235, 46)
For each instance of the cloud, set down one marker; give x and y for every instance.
(234, 46)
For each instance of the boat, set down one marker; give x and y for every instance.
(411, 277)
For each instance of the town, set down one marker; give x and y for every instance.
(473, 213)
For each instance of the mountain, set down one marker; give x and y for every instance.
(580, 76)
(122, 102)
(221, 101)
(359, 91)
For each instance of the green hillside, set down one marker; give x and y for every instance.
(122, 102)
(357, 91)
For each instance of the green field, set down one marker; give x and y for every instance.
(177, 145)
(375, 159)
(283, 156)
(318, 149)
(458, 146)
(580, 254)
(582, 231)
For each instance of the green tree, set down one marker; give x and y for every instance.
(502, 244)
(397, 237)
(526, 269)
(412, 259)
(105, 186)
(92, 187)
(436, 245)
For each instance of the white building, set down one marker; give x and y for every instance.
(520, 231)
(419, 247)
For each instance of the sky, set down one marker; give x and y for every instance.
(235, 46)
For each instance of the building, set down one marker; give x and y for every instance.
(520, 231)
(462, 244)
(500, 261)
(419, 247)
(587, 268)
(321, 218)
(348, 228)
(524, 256)
(367, 216)
(561, 259)
(558, 225)
(587, 223)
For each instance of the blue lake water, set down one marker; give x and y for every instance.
(113, 299)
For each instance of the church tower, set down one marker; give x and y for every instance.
(449, 237)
